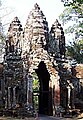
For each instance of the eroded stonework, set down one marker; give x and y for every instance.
(36, 30)
(36, 51)
(13, 66)
(15, 36)
(57, 40)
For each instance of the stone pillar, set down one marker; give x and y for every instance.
(57, 96)
(57, 93)
(73, 97)
(69, 92)
(6, 99)
(14, 96)
(51, 102)
(29, 90)
(52, 88)
(9, 98)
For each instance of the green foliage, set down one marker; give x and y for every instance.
(35, 89)
(75, 51)
(69, 16)
(71, 2)
(35, 82)
(35, 99)
(74, 10)
(66, 15)
(77, 29)
(73, 15)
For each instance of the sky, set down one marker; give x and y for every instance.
(21, 8)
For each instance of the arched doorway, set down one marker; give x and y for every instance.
(44, 78)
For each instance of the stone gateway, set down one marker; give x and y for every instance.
(35, 72)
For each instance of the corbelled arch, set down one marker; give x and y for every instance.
(36, 42)
(48, 80)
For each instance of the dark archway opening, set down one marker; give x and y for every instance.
(44, 78)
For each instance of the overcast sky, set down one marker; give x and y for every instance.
(21, 8)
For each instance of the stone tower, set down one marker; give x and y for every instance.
(36, 34)
(13, 66)
(15, 36)
(57, 40)
(36, 30)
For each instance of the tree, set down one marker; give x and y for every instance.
(2, 38)
(71, 2)
(4, 13)
(73, 12)
(73, 15)
(75, 50)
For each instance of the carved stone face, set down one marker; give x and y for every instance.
(15, 34)
(36, 28)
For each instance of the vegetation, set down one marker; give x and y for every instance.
(71, 2)
(73, 15)
(75, 50)
(35, 82)
(2, 36)
(35, 90)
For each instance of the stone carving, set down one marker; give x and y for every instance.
(15, 35)
(36, 34)
(36, 50)
(57, 40)
(36, 30)
(13, 65)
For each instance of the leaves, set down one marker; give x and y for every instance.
(76, 5)
(71, 2)
(73, 15)
(74, 50)
(35, 82)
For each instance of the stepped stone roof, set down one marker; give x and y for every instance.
(57, 39)
(15, 25)
(14, 35)
(57, 29)
(36, 28)
(15, 29)
(36, 35)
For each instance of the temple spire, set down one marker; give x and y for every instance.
(57, 40)
(14, 35)
(36, 6)
(36, 29)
